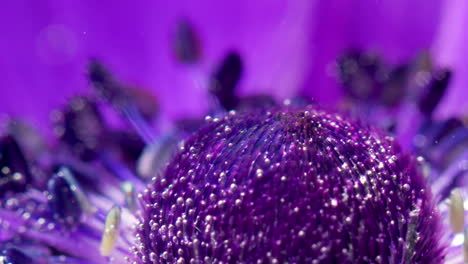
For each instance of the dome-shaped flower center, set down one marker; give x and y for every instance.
(288, 186)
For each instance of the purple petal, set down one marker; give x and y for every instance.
(450, 50)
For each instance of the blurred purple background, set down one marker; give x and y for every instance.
(286, 46)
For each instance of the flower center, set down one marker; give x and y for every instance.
(290, 185)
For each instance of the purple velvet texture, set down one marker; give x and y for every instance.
(286, 46)
(289, 186)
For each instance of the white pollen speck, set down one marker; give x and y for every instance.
(208, 218)
(363, 179)
(334, 203)
(180, 201)
(259, 173)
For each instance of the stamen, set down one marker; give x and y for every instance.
(155, 156)
(130, 144)
(456, 211)
(13, 256)
(111, 231)
(76, 189)
(14, 170)
(225, 80)
(27, 136)
(359, 73)
(115, 94)
(80, 125)
(435, 91)
(129, 191)
(63, 201)
(186, 43)
(393, 88)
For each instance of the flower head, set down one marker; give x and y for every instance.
(289, 185)
(135, 178)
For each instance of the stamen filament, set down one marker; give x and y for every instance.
(456, 211)
(111, 231)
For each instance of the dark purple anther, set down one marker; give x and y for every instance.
(225, 80)
(14, 169)
(186, 43)
(80, 126)
(120, 96)
(360, 74)
(14, 256)
(435, 91)
(104, 83)
(28, 138)
(289, 186)
(146, 102)
(129, 144)
(121, 99)
(63, 200)
(394, 87)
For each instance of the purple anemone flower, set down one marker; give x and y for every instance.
(247, 132)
